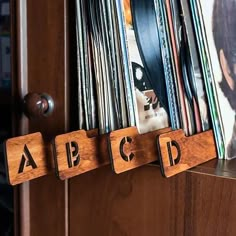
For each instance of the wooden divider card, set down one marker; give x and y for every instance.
(129, 149)
(76, 153)
(178, 153)
(27, 158)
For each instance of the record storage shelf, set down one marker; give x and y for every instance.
(77, 152)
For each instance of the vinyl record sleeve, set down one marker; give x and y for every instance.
(147, 39)
(198, 76)
(80, 63)
(96, 62)
(219, 22)
(173, 16)
(154, 117)
(119, 83)
(126, 65)
(168, 69)
(208, 79)
(108, 75)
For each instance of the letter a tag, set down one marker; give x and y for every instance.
(25, 158)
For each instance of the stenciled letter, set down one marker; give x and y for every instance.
(176, 160)
(72, 151)
(123, 155)
(26, 160)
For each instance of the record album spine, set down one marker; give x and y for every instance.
(174, 113)
(129, 82)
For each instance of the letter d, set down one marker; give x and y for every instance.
(173, 160)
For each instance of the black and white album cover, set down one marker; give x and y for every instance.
(220, 24)
(151, 115)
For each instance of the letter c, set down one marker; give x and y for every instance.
(123, 155)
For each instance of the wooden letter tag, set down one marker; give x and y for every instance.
(26, 158)
(178, 153)
(129, 149)
(76, 153)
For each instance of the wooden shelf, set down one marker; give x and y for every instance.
(217, 168)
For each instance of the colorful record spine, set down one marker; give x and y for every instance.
(209, 80)
(128, 77)
(171, 93)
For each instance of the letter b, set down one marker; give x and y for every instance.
(72, 151)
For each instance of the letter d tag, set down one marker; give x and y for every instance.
(25, 158)
(178, 153)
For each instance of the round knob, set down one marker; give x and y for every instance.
(38, 105)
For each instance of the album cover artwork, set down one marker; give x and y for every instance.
(220, 24)
(175, 26)
(151, 116)
(80, 64)
(126, 72)
(123, 100)
(198, 87)
(167, 59)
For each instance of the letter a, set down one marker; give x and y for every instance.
(26, 160)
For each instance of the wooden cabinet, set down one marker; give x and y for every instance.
(41, 66)
(136, 203)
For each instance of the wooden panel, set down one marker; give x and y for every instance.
(141, 202)
(47, 74)
(41, 67)
(137, 202)
(210, 205)
(47, 71)
(48, 215)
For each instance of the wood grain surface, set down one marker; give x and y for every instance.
(139, 202)
(43, 202)
(139, 149)
(19, 151)
(190, 151)
(92, 153)
(210, 205)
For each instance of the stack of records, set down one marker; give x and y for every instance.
(155, 64)
(215, 22)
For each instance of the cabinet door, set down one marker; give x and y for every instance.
(139, 202)
(40, 66)
(112, 205)
(128, 204)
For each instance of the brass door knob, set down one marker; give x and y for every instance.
(38, 105)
